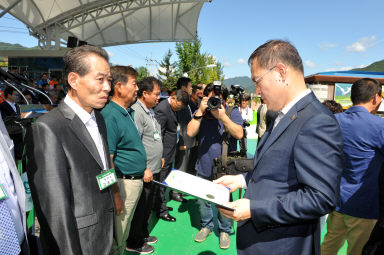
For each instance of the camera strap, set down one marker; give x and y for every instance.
(225, 142)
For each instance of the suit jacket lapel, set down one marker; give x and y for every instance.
(284, 123)
(103, 134)
(79, 129)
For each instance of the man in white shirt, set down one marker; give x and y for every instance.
(68, 163)
(297, 165)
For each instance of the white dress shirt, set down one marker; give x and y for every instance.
(90, 123)
(13, 105)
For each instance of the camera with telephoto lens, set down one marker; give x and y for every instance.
(215, 101)
(236, 92)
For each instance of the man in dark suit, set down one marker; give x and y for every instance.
(67, 153)
(297, 165)
(9, 108)
(165, 115)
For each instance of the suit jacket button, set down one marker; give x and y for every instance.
(252, 180)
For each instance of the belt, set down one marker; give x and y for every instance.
(129, 177)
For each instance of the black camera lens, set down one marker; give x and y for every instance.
(214, 103)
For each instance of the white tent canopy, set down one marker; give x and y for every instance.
(107, 22)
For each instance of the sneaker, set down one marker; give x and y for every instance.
(151, 239)
(202, 235)
(224, 240)
(146, 249)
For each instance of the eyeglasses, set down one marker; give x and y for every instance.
(261, 77)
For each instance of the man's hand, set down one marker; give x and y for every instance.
(233, 182)
(148, 177)
(219, 113)
(242, 210)
(119, 204)
(203, 106)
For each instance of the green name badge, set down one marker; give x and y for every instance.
(2, 193)
(106, 179)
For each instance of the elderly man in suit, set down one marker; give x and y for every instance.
(165, 113)
(68, 161)
(297, 166)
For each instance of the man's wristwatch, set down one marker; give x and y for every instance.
(197, 117)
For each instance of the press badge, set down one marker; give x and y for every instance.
(2, 193)
(106, 179)
(156, 136)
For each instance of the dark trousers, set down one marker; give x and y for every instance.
(375, 244)
(142, 215)
(161, 203)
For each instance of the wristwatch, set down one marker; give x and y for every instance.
(197, 117)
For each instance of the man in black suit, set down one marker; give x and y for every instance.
(10, 108)
(165, 113)
(375, 243)
(68, 161)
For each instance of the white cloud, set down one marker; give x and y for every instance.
(310, 64)
(227, 64)
(241, 61)
(326, 46)
(345, 68)
(362, 44)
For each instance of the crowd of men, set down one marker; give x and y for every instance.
(92, 160)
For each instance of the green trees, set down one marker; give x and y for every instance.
(143, 72)
(191, 61)
(166, 72)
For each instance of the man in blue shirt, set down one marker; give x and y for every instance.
(209, 127)
(358, 208)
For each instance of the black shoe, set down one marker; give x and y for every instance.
(178, 198)
(169, 208)
(150, 239)
(146, 249)
(168, 217)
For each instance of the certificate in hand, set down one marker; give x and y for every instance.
(197, 187)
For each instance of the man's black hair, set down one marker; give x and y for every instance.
(8, 91)
(363, 90)
(147, 84)
(182, 96)
(209, 88)
(183, 82)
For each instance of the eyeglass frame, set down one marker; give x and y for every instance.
(261, 77)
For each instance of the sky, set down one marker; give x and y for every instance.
(329, 35)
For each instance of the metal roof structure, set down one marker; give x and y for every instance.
(106, 22)
(343, 77)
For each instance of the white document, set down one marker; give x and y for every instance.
(197, 187)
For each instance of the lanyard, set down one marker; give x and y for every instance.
(129, 115)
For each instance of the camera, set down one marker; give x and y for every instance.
(236, 92)
(215, 101)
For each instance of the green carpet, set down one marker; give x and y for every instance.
(177, 238)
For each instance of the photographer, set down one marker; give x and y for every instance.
(209, 123)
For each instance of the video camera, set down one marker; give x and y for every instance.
(215, 101)
(236, 92)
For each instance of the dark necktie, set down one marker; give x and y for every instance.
(9, 243)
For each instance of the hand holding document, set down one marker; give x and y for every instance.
(197, 187)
